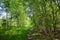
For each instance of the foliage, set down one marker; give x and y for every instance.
(30, 20)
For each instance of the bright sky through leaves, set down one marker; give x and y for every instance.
(2, 11)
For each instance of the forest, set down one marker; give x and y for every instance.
(29, 19)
